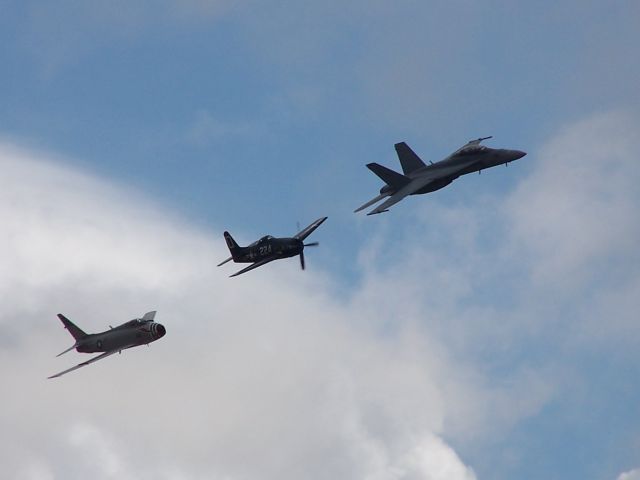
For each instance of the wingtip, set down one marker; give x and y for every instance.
(376, 212)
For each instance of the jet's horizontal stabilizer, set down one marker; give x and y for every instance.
(375, 212)
(388, 176)
(68, 349)
(372, 201)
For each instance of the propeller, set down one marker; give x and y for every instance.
(312, 244)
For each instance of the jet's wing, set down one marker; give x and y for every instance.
(257, 264)
(301, 235)
(408, 189)
(372, 201)
(94, 359)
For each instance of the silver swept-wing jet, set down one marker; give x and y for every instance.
(139, 331)
(418, 178)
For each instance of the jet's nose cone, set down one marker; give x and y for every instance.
(517, 154)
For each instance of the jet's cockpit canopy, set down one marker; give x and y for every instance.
(473, 147)
(136, 321)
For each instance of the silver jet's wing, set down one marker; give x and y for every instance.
(257, 264)
(301, 235)
(94, 359)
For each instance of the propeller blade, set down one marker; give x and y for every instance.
(302, 260)
(312, 244)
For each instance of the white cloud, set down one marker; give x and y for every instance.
(579, 207)
(630, 475)
(269, 375)
(256, 378)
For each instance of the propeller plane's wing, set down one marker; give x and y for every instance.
(302, 234)
(83, 364)
(257, 264)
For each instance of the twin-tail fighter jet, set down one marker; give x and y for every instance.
(140, 331)
(269, 248)
(420, 178)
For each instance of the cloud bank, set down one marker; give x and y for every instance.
(271, 375)
(263, 377)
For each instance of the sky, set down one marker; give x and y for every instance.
(487, 330)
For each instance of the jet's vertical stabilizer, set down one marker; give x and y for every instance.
(408, 159)
(74, 330)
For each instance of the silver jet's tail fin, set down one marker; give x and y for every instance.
(74, 330)
(149, 316)
(408, 159)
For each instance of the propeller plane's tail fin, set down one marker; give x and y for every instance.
(234, 248)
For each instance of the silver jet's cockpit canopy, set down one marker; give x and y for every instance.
(135, 322)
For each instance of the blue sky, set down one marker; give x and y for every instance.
(162, 124)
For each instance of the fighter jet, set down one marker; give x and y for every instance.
(269, 248)
(139, 331)
(420, 178)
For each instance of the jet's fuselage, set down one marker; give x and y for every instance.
(458, 164)
(127, 335)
